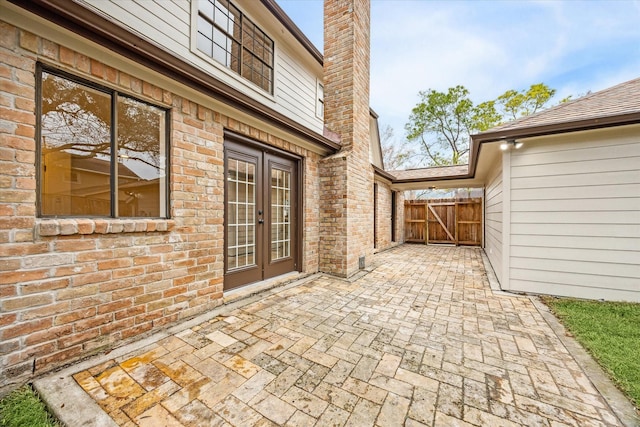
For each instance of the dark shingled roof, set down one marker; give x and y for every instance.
(609, 107)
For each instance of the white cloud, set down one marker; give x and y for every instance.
(491, 46)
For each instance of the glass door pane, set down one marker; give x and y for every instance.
(280, 214)
(241, 206)
(260, 215)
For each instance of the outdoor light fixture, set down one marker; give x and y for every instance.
(505, 145)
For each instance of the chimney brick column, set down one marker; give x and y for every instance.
(346, 178)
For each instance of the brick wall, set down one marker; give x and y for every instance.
(333, 215)
(400, 216)
(347, 200)
(383, 216)
(72, 287)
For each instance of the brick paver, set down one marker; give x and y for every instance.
(419, 340)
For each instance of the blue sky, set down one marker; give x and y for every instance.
(488, 47)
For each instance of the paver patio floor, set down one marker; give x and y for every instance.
(419, 340)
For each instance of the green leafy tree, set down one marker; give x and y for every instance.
(516, 104)
(485, 116)
(442, 121)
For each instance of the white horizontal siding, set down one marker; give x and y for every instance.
(609, 256)
(592, 280)
(571, 154)
(548, 269)
(575, 281)
(579, 191)
(493, 220)
(602, 290)
(575, 242)
(550, 182)
(168, 24)
(573, 168)
(159, 21)
(546, 216)
(557, 231)
(296, 90)
(575, 215)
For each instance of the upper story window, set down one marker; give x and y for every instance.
(101, 153)
(228, 36)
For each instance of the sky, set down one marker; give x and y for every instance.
(488, 47)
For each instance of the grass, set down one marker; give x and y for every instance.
(23, 408)
(610, 331)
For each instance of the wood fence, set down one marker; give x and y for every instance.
(450, 221)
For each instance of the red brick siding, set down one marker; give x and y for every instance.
(347, 198)
(383, 216)
(333, 215)
(72, 287)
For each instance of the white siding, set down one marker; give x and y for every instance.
(575, 215)
(493, 220)
(296, 90)
(168, 24)
(165, 22)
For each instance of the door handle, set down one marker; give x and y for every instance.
(261, 221)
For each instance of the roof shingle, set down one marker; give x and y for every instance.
(615, 101)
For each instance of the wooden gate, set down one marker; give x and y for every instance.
(448, 221)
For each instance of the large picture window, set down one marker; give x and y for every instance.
(230, 38)
(101, 153)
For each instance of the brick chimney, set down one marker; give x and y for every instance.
(346, 178)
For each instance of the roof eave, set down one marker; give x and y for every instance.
(433, 178)
(107, 33)
(556, 128)
(478, 140)
(383, 173)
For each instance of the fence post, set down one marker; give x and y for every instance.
(426, 223)
(455, 222)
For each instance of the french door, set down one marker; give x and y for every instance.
(260, 214)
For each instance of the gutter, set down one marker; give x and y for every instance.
(439, 178)
(383, 173)
(557, 128)
(552, 129)
(100, 29)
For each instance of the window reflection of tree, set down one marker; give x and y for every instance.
(76, 129)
